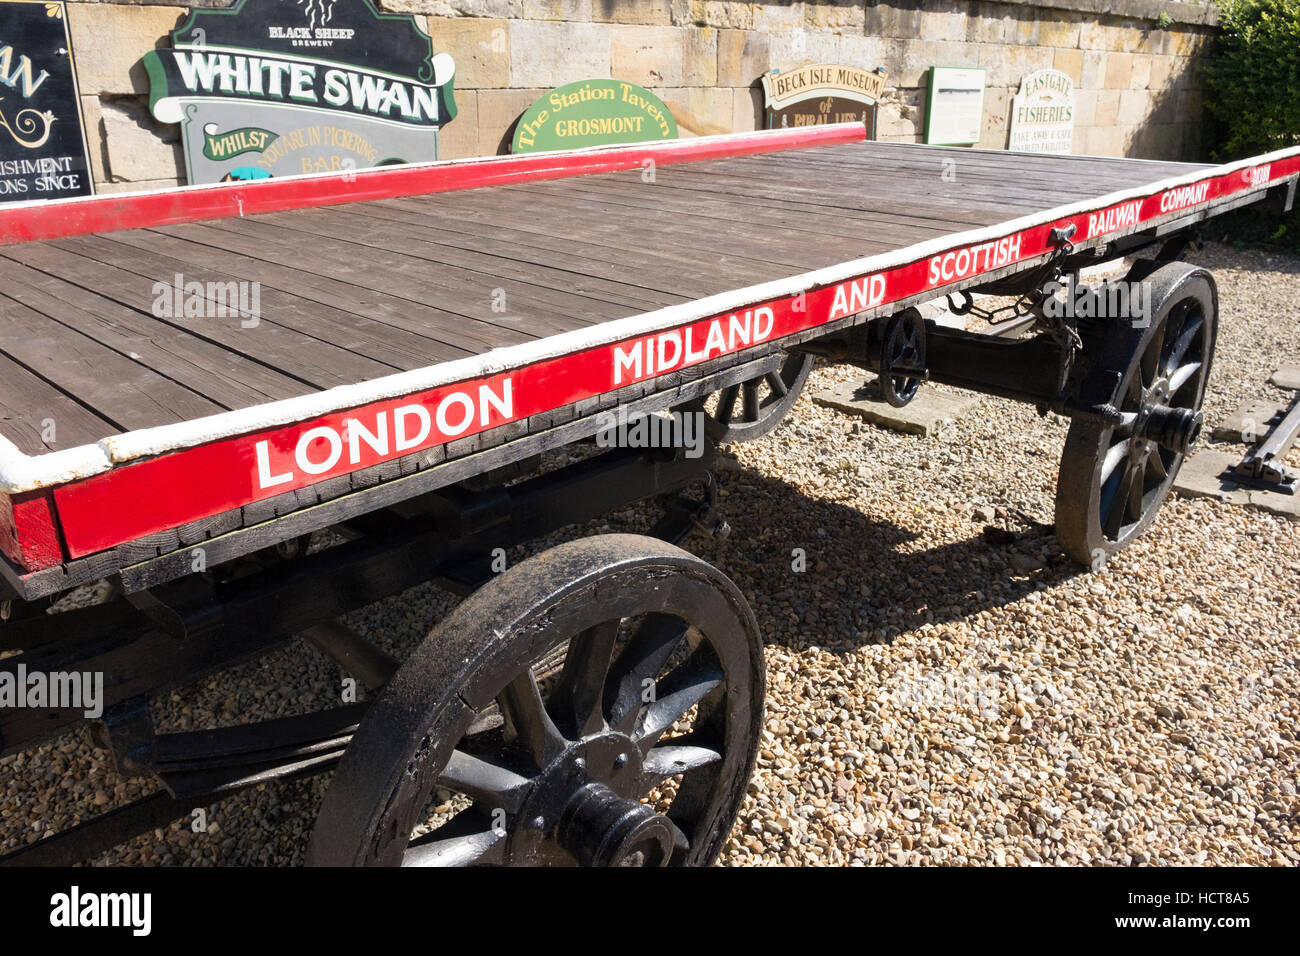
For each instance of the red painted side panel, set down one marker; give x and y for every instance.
(28, 535)
(107, 213)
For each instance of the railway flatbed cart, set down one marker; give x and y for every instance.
(194, 382)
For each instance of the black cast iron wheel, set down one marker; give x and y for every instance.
(903, 350)
(752, 409)
(1113, 480)
(532, 723)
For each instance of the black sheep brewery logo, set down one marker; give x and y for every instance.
(287, 87)
(43, 151)
(318, 12)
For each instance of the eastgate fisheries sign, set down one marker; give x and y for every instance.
(284, 87)
(593, 113)
(1042, 113)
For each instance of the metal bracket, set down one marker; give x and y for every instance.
(1061, 236)
(1281, 198)
(1262, 467)
(182, 609)
(1031, 302)
(127, 731)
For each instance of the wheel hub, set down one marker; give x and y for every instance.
(1177, 429)
(585, 803)
(600, 828)
(1116, 474)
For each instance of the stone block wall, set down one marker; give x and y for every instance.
(1136, 64)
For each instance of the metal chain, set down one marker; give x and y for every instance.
(1049, 271)
(1065, 334)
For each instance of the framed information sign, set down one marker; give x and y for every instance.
(954, 113)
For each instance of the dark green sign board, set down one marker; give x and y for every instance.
(285, 87)
(593, 113)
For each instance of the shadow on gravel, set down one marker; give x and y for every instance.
(861, 583)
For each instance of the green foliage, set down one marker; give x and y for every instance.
(1252, 103)
(1163, 21)
(1251, 228)
(1253, 78)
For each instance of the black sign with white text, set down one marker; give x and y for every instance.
(43, 151)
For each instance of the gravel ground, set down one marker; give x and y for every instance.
(933, 698)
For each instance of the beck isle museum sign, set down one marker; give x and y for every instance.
(822, 93)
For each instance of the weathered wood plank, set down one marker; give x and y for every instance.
(474, 300)
(341, 301)
(228, 378)
(306, 325)
(29, 405)
(117, 388)
(311, 360)
(414, 243)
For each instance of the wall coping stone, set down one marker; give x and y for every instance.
(1197, 14)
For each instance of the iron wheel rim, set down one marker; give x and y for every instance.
(516, 784)
(751, 409)
(1114, 479)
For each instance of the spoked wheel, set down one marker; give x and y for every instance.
(752, 409)
(1113, 480)
(902, 357)
(597, 704)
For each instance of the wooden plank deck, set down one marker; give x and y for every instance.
(354, 292)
